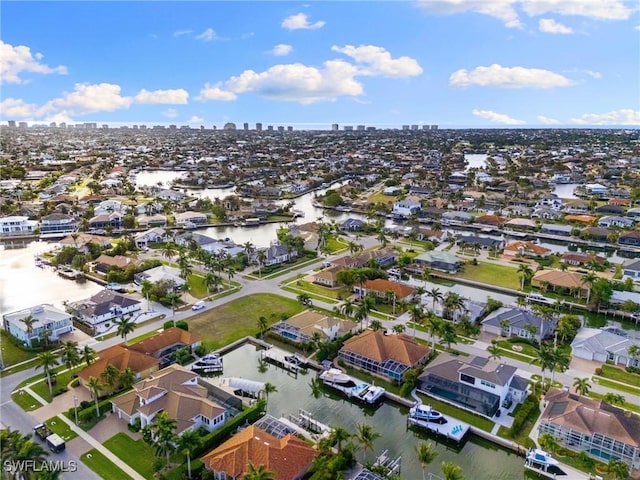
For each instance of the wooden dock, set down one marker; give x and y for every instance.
(453, 429)
(557, 472)
(277, 356)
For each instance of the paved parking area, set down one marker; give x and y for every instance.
(107, 428)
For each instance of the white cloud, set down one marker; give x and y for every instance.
(89, 98)
(637, 27)
(300, 21)
(17, 59)
(497, 117)
(596, 9)
(208, 35)
(17, 108)
(378, 61)
(549, 25)
(615, 117)
(179, 33)
(592, 74)
(281, 50)
(170, 113)
(195, 119)
(178, 96)
(501, 9)
(547, 120)
(508, 77)
(215, 92)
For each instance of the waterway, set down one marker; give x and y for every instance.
(565, 190)
(480, 460)
(476, 160)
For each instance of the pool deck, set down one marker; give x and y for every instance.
(454, 429)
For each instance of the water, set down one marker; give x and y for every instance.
(23, 285)
(479, 459)
(476, 160)
(565, 190)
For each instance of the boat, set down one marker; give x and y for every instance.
(333, 376)
(373, 394)
(426, 413)
(298, 213)
(295, 360)
(211, 359)
(535, 455)
(362, 391)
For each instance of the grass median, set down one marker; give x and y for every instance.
(105, 468)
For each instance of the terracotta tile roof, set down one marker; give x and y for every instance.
(167, 338)
(119, 261)
(289, 457)
(591, 416)
(381, 285)
(380, 347)
(558, 278)
(121, 358)
(580, 218)
(527, 247)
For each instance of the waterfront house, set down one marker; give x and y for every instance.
(153, 235)
(556, 279)
(463, 217)
(630, 238)
(389, 356)
(287, 456)
(327, 277)
(582, 219)
(17, 225)
(556, 229)
(472, 310)
(609, 221)
(473, 383)
(546, 213)
(161, 273)
(47, 318)
(593, 426)
(113, 220)
(186, 218)
(631, 269)
(352, 225)
(104, 263)
(634, 213)
(576, 259)
(301, 327)
(526, 249)
(81, 241)
(176, 391)
(278, 253)
(99, 309)
(438, 260)
(162, 345)
(521, 224)
(596, 189)
(152, 221)
(121, 357)
(518, 322)
(486, 243)
(380, 288)
(57, 224)
(492, 220)
(597, 234)
(611, 208)
(431, 235)
(406, 207)
(604, 346)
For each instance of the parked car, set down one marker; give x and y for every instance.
(198, 305)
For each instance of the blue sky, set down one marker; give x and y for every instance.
(456, 63)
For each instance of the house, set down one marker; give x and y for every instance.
(121, 358)
(406, 207)
(438, 260)
(574, 258)
(57, 224)
(611, 208)
(584, 219)
(550, 201)
(163, 344)
(389, 356)
(463, 217)
(171, 195)
(47, 318)
(472, 310)
(596, 189)
(473, 383)
(556, 229)
(521, 224)
(104, 263)
(392, 191)
(630, 238)
(81, 241)
(597, 234)
(152, 221)
(102, 307)
(17, 225)
(631, 269)
(278, 253)
(634, 213)
(301, 327)
(570, 281)
(526, 249)
(383, 257)
(113, 220)
(546, 213)
(176, 391)
(327, 277)
(493, 220)
(609, 221)
(161, 273)
(518, 322)
(593, 426)
(604, 346)
(352, 225)
(380, 287)
(435, 236)
(288, 457)
(186, 218)
(109, 206)
(153, 235)
(486, 243)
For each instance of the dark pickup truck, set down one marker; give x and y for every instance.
(54, 441)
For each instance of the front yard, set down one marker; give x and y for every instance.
(104, 467)
(135, 453)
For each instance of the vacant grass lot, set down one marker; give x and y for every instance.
(135, 453)
(491, 274)
(104, 467)
(622, 387)
(239, 318)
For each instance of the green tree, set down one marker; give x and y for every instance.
(618, 469)
(262, 325)
(47, 361)
(338, 436)
(28, 325)
(582, 386)
(258, 473)
(305, 299)
(417, 316)
(614, 398)
(70, 355)
(163, 429)
(127, 378)
(110, 375)
(525, 273)
(366, 436)
(495, 352)
(269, 388)
(375, 325)
(88, 355)
(399, 328)
(95, 386)
(451, 471)
(548, 442)
(426, 454)
(188, 442)
(146, 289)
(125, 326)
(448, 334)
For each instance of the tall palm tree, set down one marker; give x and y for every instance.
(582, 385)
(360, 277)
(426, 454)
(188, 442)
(28, 325)
(211, 280)
(262, 325)
(88, 354)
(164, 437)
(258, 473)
(339, 435)
(448, 334)
(365, 436)
(452, 303)
(146, 288)
(261, 258)
(18, 447)
(268, 389)
(495, 352)
(47, 360)
(614, 398)
(589, 279)
(70, 355)
(545, 359)
(127, 378)
(560, 361)
(451, 471)
(434, 324)
(110, 375)
(95, 386)
(618, 469)
(347, 308)
(125, 326)
(525, 273)
(436, 296)
(173, 298)
(417, 316)
(362, 312)
(169, 249)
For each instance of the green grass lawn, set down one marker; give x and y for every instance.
(139, 338)
(527, 350)
(620, 375)
(61, 428)
(25, 401)
(622, 387)
(335, 244)
(313, 296)
(311, 287)
(196, 286)
(629, 406)
(458, 413)
(62, 380)
(239, 318)
(491, 274)
(104, 467)
(285, 267)
(135, 453)
(12, 354)
(19, 367)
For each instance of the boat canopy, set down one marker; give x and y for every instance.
(249, 386)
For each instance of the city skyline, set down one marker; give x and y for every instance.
(455, 63)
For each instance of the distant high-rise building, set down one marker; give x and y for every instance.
(52, 125)
(270, 128)
(135, 127)
(335, 127)
(104, 126)
(289, 128)
(360, 128)
(425, 127)
(173, 127)
(259, 126)
(348, 128)
(414, 127)
(434, 127)
(281, 128)
(158, 127)
(22, 125)
(12, 123)
(245, 126)
(201, 127)
(143, 127)
(371, 129)
(63, 125)
(229, 126)
(405, 127)
(90, 125)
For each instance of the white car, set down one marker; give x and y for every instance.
(198, 305)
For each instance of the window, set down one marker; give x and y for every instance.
(487, 384)
(467, 379)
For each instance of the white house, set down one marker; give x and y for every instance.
(601, 346)
(108, 206)
(102, 307)
(631, 269)
(406, 207)
(17, 225)
(301, 327)
(153, 235)
(186, 218)
(45, 316)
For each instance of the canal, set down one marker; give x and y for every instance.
(480, 460)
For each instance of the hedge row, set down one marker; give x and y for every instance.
(88, 415)
(528, 408)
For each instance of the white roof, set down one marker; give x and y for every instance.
(599, 341)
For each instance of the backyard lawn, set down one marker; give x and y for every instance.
(104, 467)
(11, 354)
(239, 318)
(135, 453)
(463, 415)
(491, 274)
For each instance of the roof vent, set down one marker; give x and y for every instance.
(37, 309)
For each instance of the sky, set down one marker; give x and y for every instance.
(454, 63)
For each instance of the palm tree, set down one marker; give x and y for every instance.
(434, 325)
(448, 334)
(164, 438)
(262, 325)
(70, 355)
(634, 351)
(249, 249)
(339, 435)
(360, 277)
(614, 398)
(525, 274)
(188, 442)
(211, 280)
(436, 296)
(18, 447)
(426, 454)
(399, 328)
(495, 352)
(560, 363)
(316, 387)
(127, 378)
(261, 258)
(417, 316)
(88, 354)
(347, 308)
(362, 311)
(375, 325)
(545, 359)
(47, 360)
(28, 325)
(365, 436)
(269, 388)
(146, 288)
(589, 279)
(582, 386)
(110, 375)
(169, 249)
(451, 471)
(173, 297)
(618, 469)
(548, 442)
(452, 303)
(258, 473)
(125, 326)
(95, 386)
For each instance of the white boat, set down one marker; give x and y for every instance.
(426, 413)
(211, 359)
(373, 394)
(535, 455)
(335, 376)
(295, 360)
(362, 391)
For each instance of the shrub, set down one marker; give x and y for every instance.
(168, 324)
(598, 371)
(183, 325)
(528, 408)
(135, 426)
(200, 350)
(633, 369)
